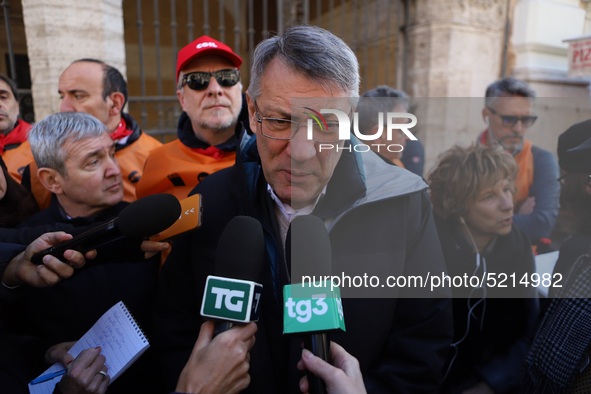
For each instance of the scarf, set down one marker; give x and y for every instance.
(17, 135)
(525, 168)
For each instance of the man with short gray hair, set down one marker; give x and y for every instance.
(75, 156)
(508, 114)
(99, 89)
(378, 218)
(13, 130)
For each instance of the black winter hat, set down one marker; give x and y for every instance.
(574, 148)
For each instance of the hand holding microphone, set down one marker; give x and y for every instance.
(140, 219)
(220, 364)
(342, 377)
(220, 360)
(21, 270)
(232, 295)
(312, 305)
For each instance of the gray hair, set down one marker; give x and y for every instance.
(47, 138)
(381, 99)
(508, 86)
(315, 52)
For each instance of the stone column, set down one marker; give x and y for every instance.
(455, 50)
(61, 31)
(456, 46)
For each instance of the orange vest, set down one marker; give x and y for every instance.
(17, 159)
(525, 169)
(20, 156)
(525, 172)
(176, 169)
(131, 159)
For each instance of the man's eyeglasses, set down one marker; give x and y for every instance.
(511, 120)
(199, 80)
(586, 180)
(286, 129)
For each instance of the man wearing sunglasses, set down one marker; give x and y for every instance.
(210, 92)
(508, 114)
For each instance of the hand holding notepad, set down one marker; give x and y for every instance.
(121, 341)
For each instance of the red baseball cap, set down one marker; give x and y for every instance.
(205, 45)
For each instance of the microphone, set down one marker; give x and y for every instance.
(191, 210)
(232, 295)
(312, 304)
(140, 219)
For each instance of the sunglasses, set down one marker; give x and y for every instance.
(199, 80)
(586, 180)
(510, 120)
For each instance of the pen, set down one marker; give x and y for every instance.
(49, 376)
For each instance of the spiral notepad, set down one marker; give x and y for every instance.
(121, 340)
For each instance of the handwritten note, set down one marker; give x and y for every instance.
(120, 338)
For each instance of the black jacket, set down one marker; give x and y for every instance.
(380, 222)
(493, 343)
(64, 312)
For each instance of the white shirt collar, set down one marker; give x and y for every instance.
(285, 213)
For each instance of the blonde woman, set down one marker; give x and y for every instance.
(472, 192)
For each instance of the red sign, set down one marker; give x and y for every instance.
(579, 57)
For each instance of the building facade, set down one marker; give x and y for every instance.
(442, 52)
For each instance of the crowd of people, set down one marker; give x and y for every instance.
(484, 209)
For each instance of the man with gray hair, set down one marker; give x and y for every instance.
(378, 217)
(76, 162)
(508, 114)
(99, 89)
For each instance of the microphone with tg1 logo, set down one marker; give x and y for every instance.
(312, 305)
(140, 219)
(232, 294)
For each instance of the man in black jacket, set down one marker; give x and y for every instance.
(378, 216)
(76, 160)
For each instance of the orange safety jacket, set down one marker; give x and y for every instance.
(178, 166)
(16, 152)
(525, 169)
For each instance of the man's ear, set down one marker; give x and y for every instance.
(117, 103)
(251, 114)
(485, 115)
(50, 179)
(180, 96)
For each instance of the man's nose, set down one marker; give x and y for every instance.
(300, 148)
(518, 127)
(66, 105)
(112, 168)
(214, 88)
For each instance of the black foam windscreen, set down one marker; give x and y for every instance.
(308, 247)
(241, 250)
(149, 215)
